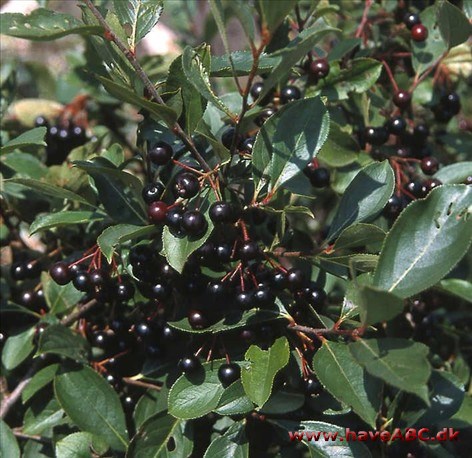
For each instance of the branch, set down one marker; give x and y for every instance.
(8, 401)
(131, 381)
(323, 331)
(131, 57)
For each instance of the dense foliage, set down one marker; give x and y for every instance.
(202, 253)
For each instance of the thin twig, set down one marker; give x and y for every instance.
(151, 386)
(365, 14)
(323, 331)
(21, 435)
(131, 57)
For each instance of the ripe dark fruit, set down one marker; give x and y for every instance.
(168, 334)
(402, 99)
(256, 90)
(41, 121)
(396, 125)
(99, 277)
(289, 94)
(451, 101)
(28, 299)
(320, 177)
(60, 273)
(82, 282)
(217, 290)
(376, 135)
(197, 320)
(393, 208)
(152, 192)
(320, 68)
(223, 252)
(160, 291)
(248, 145)
(296, 279)
(161, 154)
(228, 136)
(312, 386)
(18, 271)
(189, 364)
(264, 297)
(194, 222)
(411, 19)
(33, 269)
(264, 115)
(279, 281)
(419, 32)
(124, 291)
(245, 300)
(174, 218)
(186, 185)
(430, 184)
(416, 188)
(222, 212)
(248, 336)
(143, 330)
(429, 165)
(229, 373)
(315, 296)
(157, 212)
(249, 250)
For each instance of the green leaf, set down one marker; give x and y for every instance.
(195, 395)
(358, 78)
(59, 340)
(25, 165)
(194, 67)
(17, 348)
(43, 25)
(8, 444)
(242, 62)
(114, 236)
(139, 16)
(423, 233)
(428, 52)
(233, 443)
(374, 305)
(64, 218)
(151, 403)
(234, 401)
(457, 287)
(454, 173)
(42, 416)
(162, 436)
(50, 190)
(274, 13)
(359, 235)
(59, 298)
(126, 94)
(42, 378)
(345, 379)
(392, 360)
(296, 50)
(92, 405)
(178, 249)
(259, 377)
(119, 191)
(453, 24)
(194, 103)
(342, 48)
(340, 148)
(343, 266)
(365, 197)
(79, 445)
(288, 141)
(31, 137)
(232, 321)
(282, 402)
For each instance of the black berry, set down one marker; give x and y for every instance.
(229, 373)
(197, 320)
(320, 68)
(289, 94)
(411, 19)
(249, 250)
(161, 154)
(402, 99)
(157, 212)
(396, 125)
(296, 279)
(186, 185)
(152, 192)
(429, 165)
(194, 222)
(264, 115)
(228, 136)
(60, 273)
(189, 364)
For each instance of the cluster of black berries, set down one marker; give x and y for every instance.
(61, 140)
(29, 294)
(419, 32)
